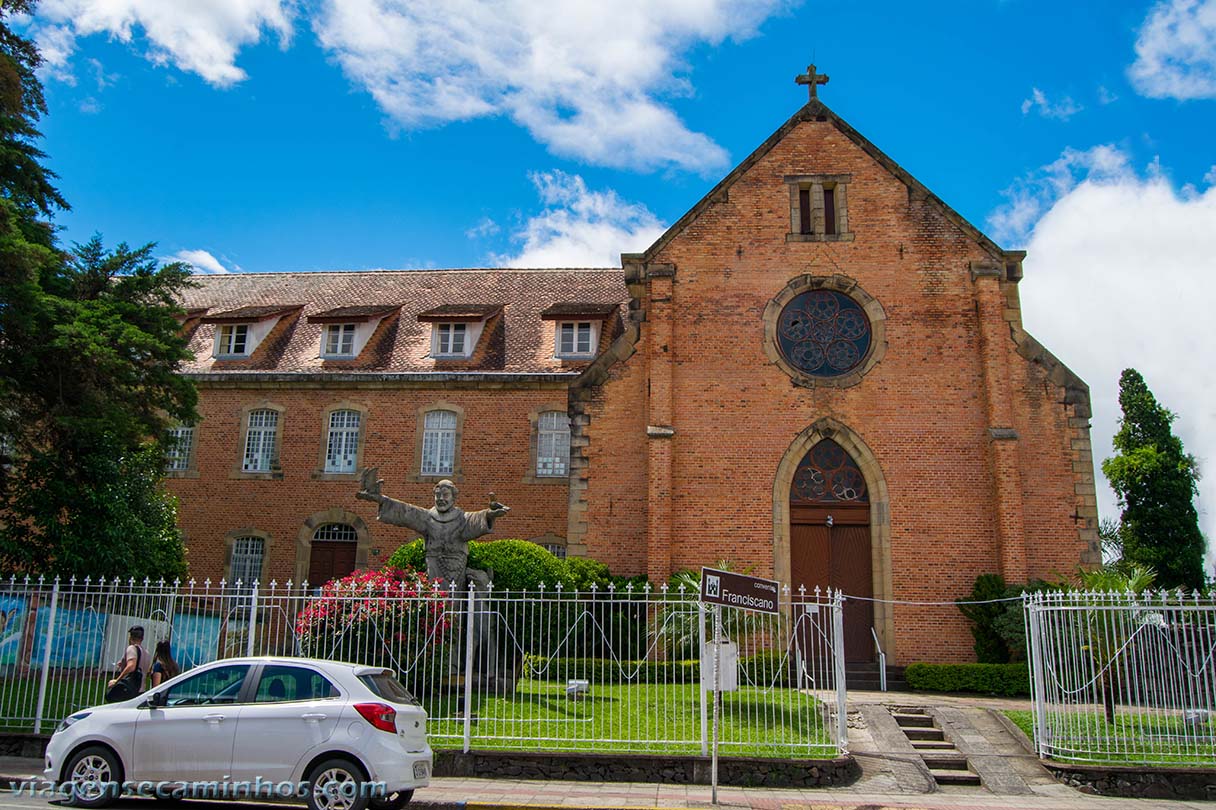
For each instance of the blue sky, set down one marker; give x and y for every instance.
(266, 135)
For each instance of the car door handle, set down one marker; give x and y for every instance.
(314, 716)
(213, 718)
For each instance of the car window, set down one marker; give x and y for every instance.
(387, 687)
(280, 683)
(218, 685)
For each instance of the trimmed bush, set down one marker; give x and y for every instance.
(583, 572)
(763, 670)
(518, 565)
(1008, 680)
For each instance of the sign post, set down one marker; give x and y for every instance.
(727, 588)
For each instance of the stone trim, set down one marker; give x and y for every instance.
(660, 431)
(276, 471)
(319, 474)
(457, 474)
(1002, 433)
(363, 540)
(230, 539)
(837, 283)
(816, 184)
(880, 517)
(530, 476)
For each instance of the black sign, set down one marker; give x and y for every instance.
(739, 590)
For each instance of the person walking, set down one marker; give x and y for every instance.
(163, 665)
(132, 669)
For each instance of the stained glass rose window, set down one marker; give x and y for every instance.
(823, 333)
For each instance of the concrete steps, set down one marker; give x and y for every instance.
(946, 764)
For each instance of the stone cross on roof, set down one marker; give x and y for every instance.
(813, 80)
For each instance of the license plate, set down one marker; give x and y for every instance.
(420, 770)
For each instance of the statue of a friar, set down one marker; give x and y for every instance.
(445, 528)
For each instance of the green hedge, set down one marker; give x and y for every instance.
(1009, 680)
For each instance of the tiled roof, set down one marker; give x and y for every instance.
(522, 340)
(460, 312)
(575, 309)
(353, 314)
(249, 313)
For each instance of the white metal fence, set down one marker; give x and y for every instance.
(1123, 677)
(600, 670)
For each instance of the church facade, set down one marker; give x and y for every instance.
(819, 373)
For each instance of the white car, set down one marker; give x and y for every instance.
(341, 736)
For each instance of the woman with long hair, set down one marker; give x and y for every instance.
(163, 665)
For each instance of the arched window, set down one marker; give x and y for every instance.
(248, 555)
(553, 444)
(335, 533)
(261, 440)
(439, 443)
(342, 442)
(828, 474)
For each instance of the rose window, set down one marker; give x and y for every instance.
(826, 474)
(823, 333)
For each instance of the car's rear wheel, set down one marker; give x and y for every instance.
(336, 784)
(92, 777)
(393, 801)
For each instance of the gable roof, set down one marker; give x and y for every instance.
(399, 345)
(816, 110)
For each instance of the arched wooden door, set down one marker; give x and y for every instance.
(334, 547)
(830, 538)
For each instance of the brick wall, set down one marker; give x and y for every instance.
(925, 409)
(495, 456)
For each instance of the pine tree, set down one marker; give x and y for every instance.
(89, 350)
(1156, 483)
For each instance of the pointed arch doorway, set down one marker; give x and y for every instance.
(844, 480)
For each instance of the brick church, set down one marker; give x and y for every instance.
(819, 373)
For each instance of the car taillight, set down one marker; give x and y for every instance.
(379, 715)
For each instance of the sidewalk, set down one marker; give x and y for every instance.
(505, 794)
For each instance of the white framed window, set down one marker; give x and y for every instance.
(575, 339)
(339, 340)
(439, 443)
(232, 340)
(450, 340)
(248, 553)
(335, 533)
(342, 442)
(552, 444)
(556, 549)
(178, 448)
(260, 440)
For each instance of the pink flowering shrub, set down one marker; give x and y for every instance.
(391, 617)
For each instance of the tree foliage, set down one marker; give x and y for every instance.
(1156, 482)
(89, 350)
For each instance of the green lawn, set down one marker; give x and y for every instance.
(644, 718)
(652, 718)
(1140, 742)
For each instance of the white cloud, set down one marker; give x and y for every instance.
(1106, 95)
(579, 227)
(1061, 110)
(1210, 177)
(197, 36)
(1176, 51)
(90, 106)
(484, 227)
(202, 261)
(1030, 197)
(1118, 275)
(584, 78)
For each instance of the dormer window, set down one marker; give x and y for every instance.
(238, 332)
(339, 340)
(449, 340)
(345, 331)
(576, 334)
(232, 340)
(456, 328)
(575, 339)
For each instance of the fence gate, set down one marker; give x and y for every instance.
(1123, 677)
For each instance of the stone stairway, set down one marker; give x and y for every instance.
(946, 764)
